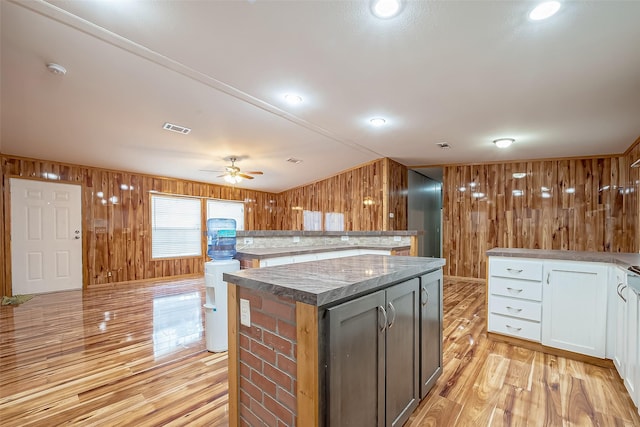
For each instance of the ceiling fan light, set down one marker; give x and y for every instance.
(503, 142)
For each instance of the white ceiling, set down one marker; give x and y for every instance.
(462, 72)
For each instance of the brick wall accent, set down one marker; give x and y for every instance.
(268, 361)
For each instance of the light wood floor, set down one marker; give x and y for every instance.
(134, 355)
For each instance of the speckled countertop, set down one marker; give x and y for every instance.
(621, 259)
(288, 233)
(264, 253)
(328, 281)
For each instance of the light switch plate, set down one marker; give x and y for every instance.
(344, 238)
(245, 312)
(397, 238)
(296, 239)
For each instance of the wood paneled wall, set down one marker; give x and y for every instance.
(117, 237)
(572, 204)
(632, 196)
(365, 195)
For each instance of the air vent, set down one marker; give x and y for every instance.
(176, 128)
(294, 160)
(443, 145)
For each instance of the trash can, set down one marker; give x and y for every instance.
(215, 308)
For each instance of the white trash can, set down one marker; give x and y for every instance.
(215, 321)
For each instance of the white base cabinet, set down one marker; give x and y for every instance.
(574, 307)
(632, 362)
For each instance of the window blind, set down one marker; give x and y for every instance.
(175, 227)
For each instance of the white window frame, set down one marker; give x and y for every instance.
(180, 229)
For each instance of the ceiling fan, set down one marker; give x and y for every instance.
(232, 173)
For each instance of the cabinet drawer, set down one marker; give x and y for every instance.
(513, 307)
(520, 328)
(516, 269)
(523, 289)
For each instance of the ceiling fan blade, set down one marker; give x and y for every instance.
(209, 170)
(254, 173)
(220, 176)
(244, 175)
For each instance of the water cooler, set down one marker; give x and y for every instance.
(215, 321)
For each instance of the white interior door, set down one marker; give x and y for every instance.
(46, 236)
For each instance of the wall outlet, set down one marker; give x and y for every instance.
(344, 238)
(391, 215)
(397, 238)
(248, 240)
(296, 239)
(109, 274)
(245, 312)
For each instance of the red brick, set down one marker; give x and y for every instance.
(287, 365)
(287, 399)
(263, 352)
(250, 359)
(287, 330)
(277, 376)
(244, 341)
(244, 398)
(249, 417)
(251, 389)
(251, 331)
(264, 384)
(278, 343)
(278, 410)
(255, 300)
(279, 309)
(245, 370)
(261, 412)
(264, 321)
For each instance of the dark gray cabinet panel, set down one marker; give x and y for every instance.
(430, 330)
(373, 358)
(356, 362)
(402, 367)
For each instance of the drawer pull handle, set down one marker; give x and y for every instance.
(392, 310)
(514, 270)
(425, 296)
(621, 287)
(514, 290)
(517, 310)
(515, 329)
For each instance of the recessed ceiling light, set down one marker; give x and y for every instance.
(293, 99)
(503, 142)
(56, 69)
(377, 121)
(385, 9)
(544, 10)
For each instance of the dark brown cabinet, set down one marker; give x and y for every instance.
(430, 330)
(373, 358)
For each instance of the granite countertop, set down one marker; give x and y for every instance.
(264, 253)
(328, 281)
(622, 259)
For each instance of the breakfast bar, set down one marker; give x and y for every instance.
(320, 342)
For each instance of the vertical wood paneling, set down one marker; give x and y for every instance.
(569, 204)
(117, 236)
(346, 193)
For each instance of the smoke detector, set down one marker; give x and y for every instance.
(56, 69)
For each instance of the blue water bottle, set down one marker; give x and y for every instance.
(221, 238)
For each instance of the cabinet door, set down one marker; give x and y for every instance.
(402, 367)
(632, 367)
(574, 306)
(430, 330)
(620, 331)
(356, 362)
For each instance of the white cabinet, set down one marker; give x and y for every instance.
(515, 295)
(619, 320)
(574, 307)
(632, 366)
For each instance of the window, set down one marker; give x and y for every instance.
(226, 209)
(175, 227)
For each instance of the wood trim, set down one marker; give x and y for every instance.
(308, 395)
(505, 162)
(385, 194)
(605, 363)
(233, 354)
(413, 251)
(467, 279)
(630, 149)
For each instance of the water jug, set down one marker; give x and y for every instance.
(221, 238)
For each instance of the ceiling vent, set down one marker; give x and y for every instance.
(176, 128)
(443, 145)
(294, 160)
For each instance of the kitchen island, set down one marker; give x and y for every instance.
(321, 342)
